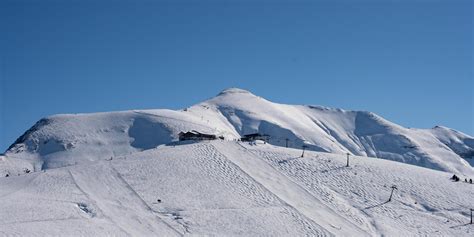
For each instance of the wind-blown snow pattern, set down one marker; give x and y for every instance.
(125, 174)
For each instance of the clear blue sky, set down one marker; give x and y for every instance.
(409, 61)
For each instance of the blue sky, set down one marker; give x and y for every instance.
(408, 61)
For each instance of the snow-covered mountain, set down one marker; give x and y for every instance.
(63, 140)
(124, 174)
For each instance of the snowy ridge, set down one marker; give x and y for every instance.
(64, 140)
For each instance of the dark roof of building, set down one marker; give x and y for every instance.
(196, 133)
(256, 135)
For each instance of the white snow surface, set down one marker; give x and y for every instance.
(229, 188)
(125, 174)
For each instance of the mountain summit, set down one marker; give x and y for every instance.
(62, 140)
(234, 90)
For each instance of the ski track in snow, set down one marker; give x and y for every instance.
(119, 202)
(209, 151)
(355, 191)
(219, 200)
(329, 197)
(290, 192)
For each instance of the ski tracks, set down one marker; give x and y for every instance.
(289, 192)
(249, 187)
(117, 201)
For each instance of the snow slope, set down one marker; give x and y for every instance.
(64, 140)
(228, 188)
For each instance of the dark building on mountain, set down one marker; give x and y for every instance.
(195, 135)
(255, 136)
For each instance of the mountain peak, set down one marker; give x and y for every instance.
(234, 90)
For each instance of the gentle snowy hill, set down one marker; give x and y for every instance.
(228, 188)
(63, 140)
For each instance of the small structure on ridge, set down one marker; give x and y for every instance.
(195, 135)
(255, 136)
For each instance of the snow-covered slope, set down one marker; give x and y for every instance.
(124, 174)
(228, 188)
(63, 140)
